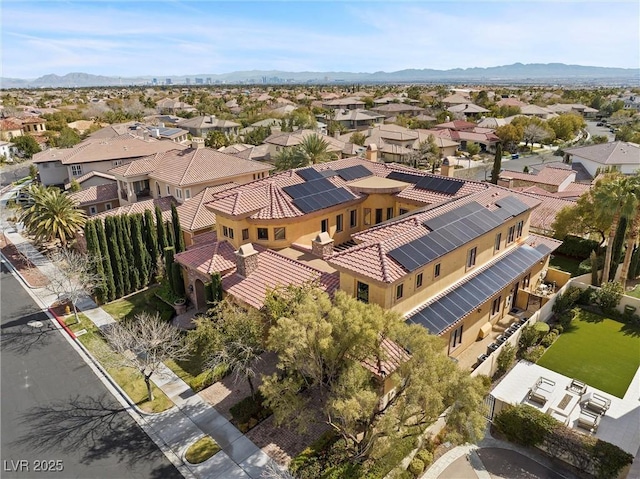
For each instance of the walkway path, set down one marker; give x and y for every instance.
(181, 425)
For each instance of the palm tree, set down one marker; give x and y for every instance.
(52, 215)
(313, 149)
(634, 230)
(614, 195)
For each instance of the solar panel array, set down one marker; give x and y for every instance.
(324, 199)
(433, 183)
(308, 188)
(512, 204)
(309, 174)
(446, 311)
(353, 172)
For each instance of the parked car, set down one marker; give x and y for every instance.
(599, 124)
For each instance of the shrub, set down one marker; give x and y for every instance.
(567, 300)
(506, 358)
(577, 247)
(425, 456)
(249, 411)
(533, 353)
(586, 265)
(586, 295)
(608, 296)
(529, 337)
(403, 475)
(559, 329)
(541, 328)
(416, 466)
(524, 424)
(549, 339)
(610, 459)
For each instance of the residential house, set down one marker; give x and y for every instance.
(456, 99)
(171, 106)
(578, 108)
(621, 156)
(183, 174)
(349, 103)
(97, 199)
(140, 207)
(58, 166)
(7, 150)
(10, 128)
(537, 111)
(395, 109)
(548, 178)
(93, 178)
(469, 110)
(203, 125)
(280, 141)
(356, 119)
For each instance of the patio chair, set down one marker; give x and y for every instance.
(577, 387)
(596, 403)
(588, 421)
(537, 397)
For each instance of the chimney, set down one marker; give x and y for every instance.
(246, 260)
(372, 153)
(446, 169)
(322, 246)
(212, 119)
(145, 135)
(197, 143)
(156, 132)
(161, 125)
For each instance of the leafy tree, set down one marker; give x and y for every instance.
(233, 337)
(497, 165)
(134, 276)
(427, 152)
(144, 343)
(74, 186)
(510, 135)
(473, 149)
(614, 194)
(257, 135)
(178, 240)
(110, 286)
(52, 215)
(33, 171)
(633, 231)
(566, 125)
(357, 138)
(585, 218)
(598, 139)
(608, 296)
(67, 138)
(217, 139)
(26, 145)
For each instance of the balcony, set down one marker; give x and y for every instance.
(143, 194)
(123, 195)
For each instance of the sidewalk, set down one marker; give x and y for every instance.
(190, 419)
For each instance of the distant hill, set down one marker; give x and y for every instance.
(518, 72)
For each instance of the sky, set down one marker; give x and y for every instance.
(163, 38)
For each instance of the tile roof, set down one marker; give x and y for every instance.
(92, 174)
(545, 176)
(141, 207)
(204, 238)
(207, 121)
(370, 258)
(397, 108)
(95, 194)
(456, 125)
(265, 199)
(208, 258)
(192, 212)
(296, 137)
(276, 270)
(545, 214)
(614, 153)
(391, 356)
(201, 165)
(467, 108)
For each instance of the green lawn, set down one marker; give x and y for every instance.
(599, 351)
(565, 263)
(127, 378)
(635, 292)
(138, 303)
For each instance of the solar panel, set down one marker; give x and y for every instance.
(405, 177)
(308, 188)
(309, 174)
(327, 173)
(447, 310)
(513, 205)
(453, 215)
(442, 185)
(323, 199)
(353, 172)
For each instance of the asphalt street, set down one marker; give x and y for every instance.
(58, 419)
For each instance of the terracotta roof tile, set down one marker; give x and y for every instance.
(546, 176)
(194, 215)
(141, 207)
(96, 194)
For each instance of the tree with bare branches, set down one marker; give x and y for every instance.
(144, 343)
(78, 276)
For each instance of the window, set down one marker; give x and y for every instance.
(456, 337)
(279, 233)
(339, 225)
(353, 218)
(168, 190)
(378, 215)
(496, 247)
(263, 233)
(436, 270)
(495, 306)
(227, 232)
(245, 234)
(45, 165)
(519, 228)
(231, 233)
(399, 291)
(512, 230)
(107, 206)
(389, 213)
(324, 225)
(116, 162)
(178, 193)
(471, 257)
(76, 170)
(187, 193)
(367, 216)
(363, 292)
(93, 210)
(525, 281)
(418, 280)
(403, 211)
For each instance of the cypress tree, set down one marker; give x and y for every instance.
(177, 281)
(94, 251)
(110, 285)
(497, 164)
(634, 266)
(168, 262)
(593, 259)
(161, 231)
(178, 239)
(140, 253)
(208, 292)
(216, 287)
(168, 228)
(150, 236)
(616, 250)
(124, 257)
(134, 272)
(117, 266)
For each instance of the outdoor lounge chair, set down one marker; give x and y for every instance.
(537, 397)
(537, 394)
(589, 421)
(577, 387)
(596, 403)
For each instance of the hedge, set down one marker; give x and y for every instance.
(577, 247)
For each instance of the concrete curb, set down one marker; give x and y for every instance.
(22, 278)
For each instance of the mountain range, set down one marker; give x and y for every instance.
(515, 73)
